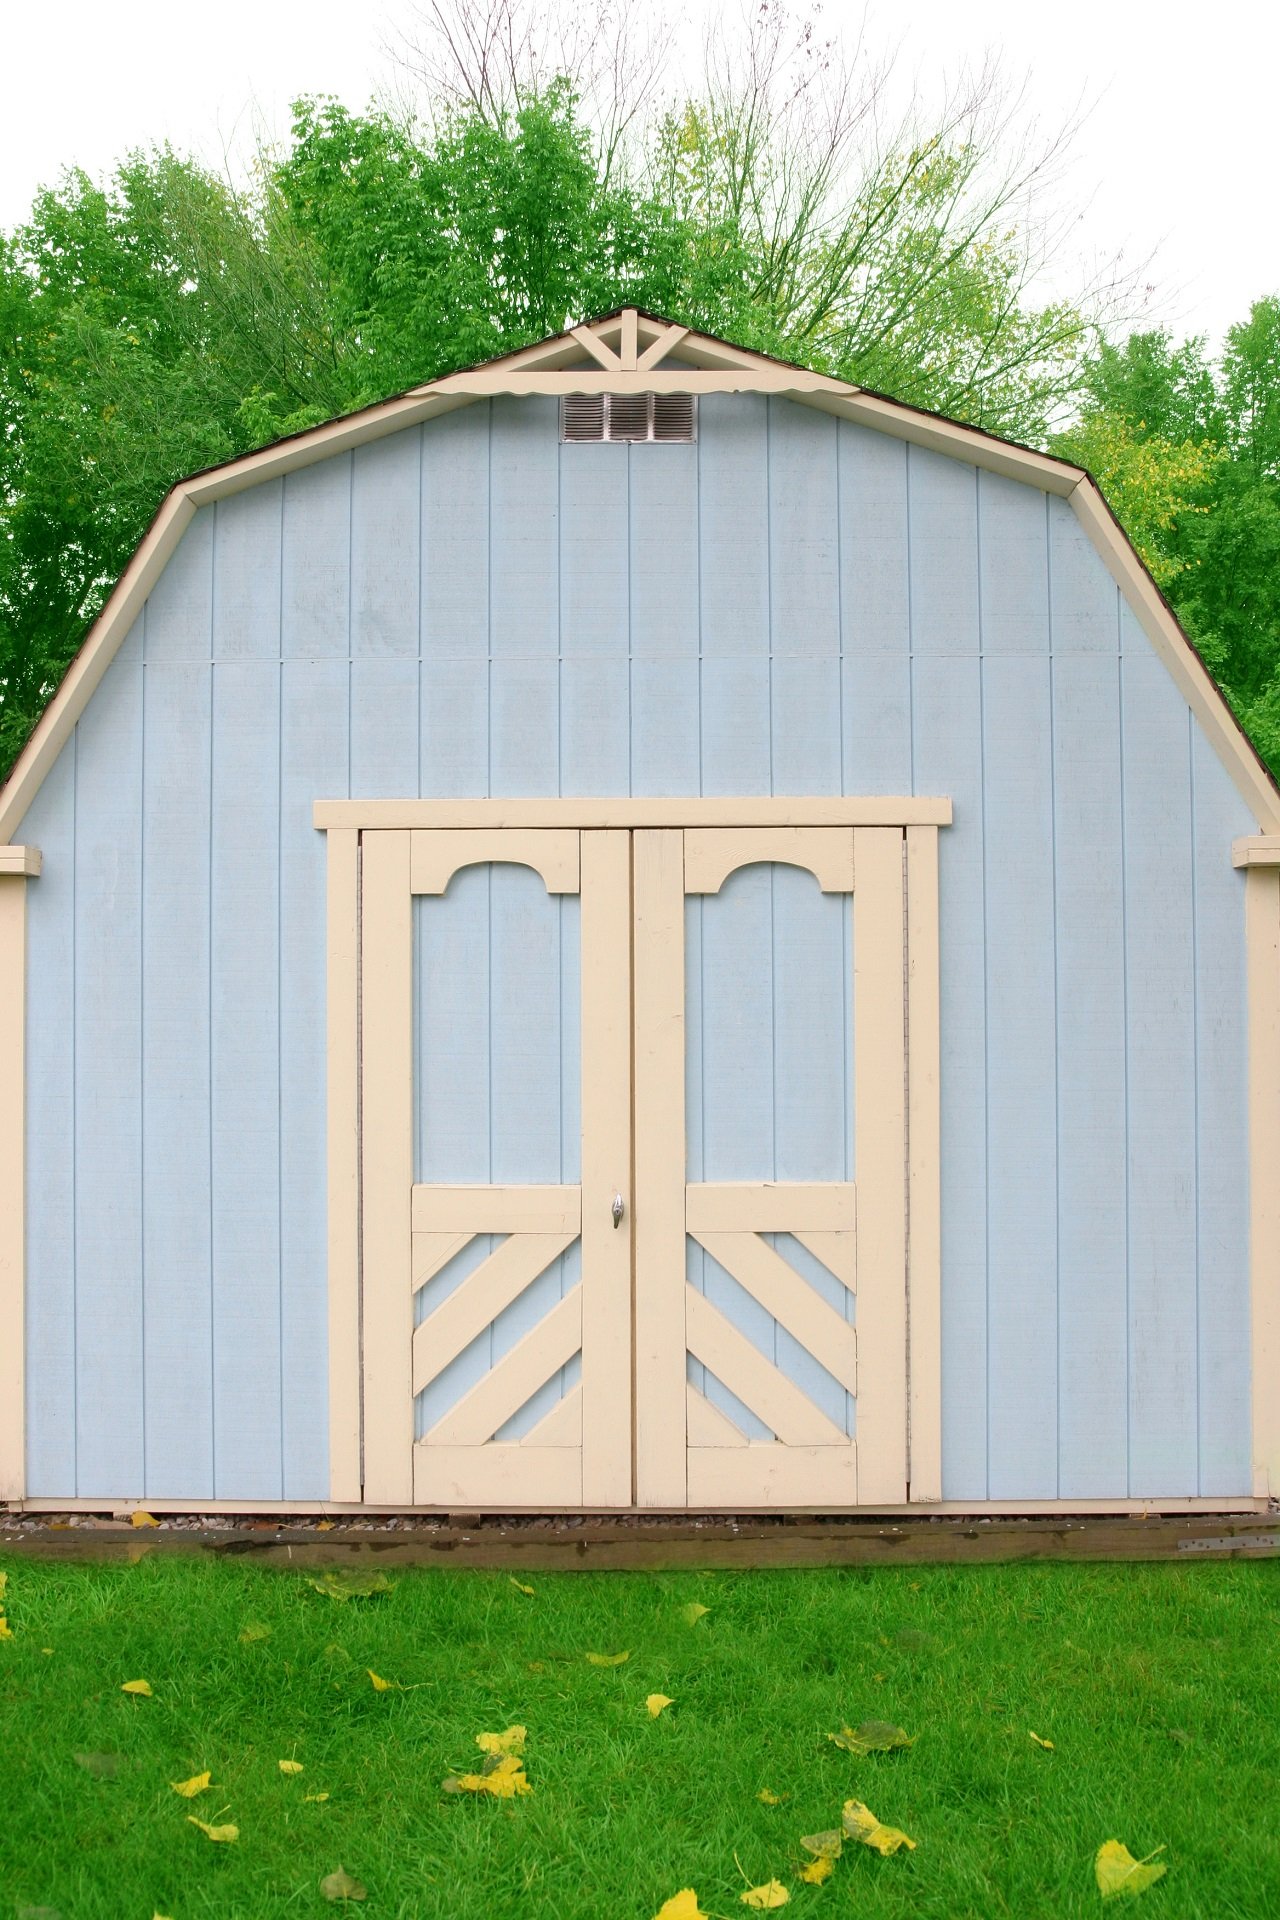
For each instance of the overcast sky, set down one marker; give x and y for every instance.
(1176, 159)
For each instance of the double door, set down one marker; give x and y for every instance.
(615, 1087)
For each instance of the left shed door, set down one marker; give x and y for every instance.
(495, 1088)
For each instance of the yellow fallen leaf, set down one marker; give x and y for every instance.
(772, 1894)
(4, 1583)
(254, 1630)
(339, 1885)
(141, 1518)
(861, 1824)
(137, 1686)
(324, 1526)
(694, 1612)
(512, 1741)
(607, 1659)
(290, 1766)
(519, 1585)
(6, 1631)
(681, 1906)
(46, 1649)
(827, 1846)
(219, 1834)
(656, 1702)
(198, 1783)
(768, 1798)
(1046, 1744)
(1118, 1872)
(818, 1870)
(379, 1684)
(351, 1586)
(504, 1779)
(314, 1796)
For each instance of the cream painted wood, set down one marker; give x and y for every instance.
(436, 857)
(838, 1252)
(621, 812)
(707, 1426)
(780, 1477)
(924, 1179)
(629, 345)
(879, 1074)
(770, 1206)
(1256, 850)
(766, 1276)
(1262, 938)
(476, 1304)
(343, 1077)
(20, 860)
(659, 1145)
(710, 856)
(386, 1024)
(777, 1401)
(540, 1222)
(471, 1210)
(596, 349)
(13, 1008)
(607, 1320)
(659, 347)
(562, 1427)
(514, 1379)
(1216, 1504)
(506, 1477)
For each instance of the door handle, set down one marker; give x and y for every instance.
(617, 1209)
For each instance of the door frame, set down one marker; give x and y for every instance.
(914, 820)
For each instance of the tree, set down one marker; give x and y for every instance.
(166, 319)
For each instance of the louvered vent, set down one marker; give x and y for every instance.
(628, 416)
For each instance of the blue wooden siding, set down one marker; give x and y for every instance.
(791, 605)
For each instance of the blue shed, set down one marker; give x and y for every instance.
(639, 927)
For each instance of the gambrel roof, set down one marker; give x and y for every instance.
(630, 351)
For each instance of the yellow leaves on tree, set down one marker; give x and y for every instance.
(141, 1687)
(681, 1906)
(772, 1894)
(607, 1659)
(223, 1836)
(1119, 1874)
(657, 1703)
(198, 1783)
(861, 1824)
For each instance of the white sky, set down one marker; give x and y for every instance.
(1176, 160)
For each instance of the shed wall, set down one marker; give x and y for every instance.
(792, 605)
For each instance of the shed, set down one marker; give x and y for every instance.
(639, 927)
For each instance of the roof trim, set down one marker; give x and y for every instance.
(634, 351)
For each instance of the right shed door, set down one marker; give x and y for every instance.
(770, 1167)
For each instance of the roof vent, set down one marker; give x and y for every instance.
(629, 417)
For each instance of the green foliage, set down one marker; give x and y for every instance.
(1188, 453)
(164, 321)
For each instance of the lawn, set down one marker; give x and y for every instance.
(1158, 1686)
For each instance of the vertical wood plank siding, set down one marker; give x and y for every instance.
(791, 605)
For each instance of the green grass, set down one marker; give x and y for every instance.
(1160, 1687)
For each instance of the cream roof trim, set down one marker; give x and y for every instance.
(638, 352)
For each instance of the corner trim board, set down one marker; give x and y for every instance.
(13, 1010)
(1262, 940)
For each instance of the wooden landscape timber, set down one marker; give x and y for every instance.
(622, 1545)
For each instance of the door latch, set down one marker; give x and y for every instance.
(617, 1209)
